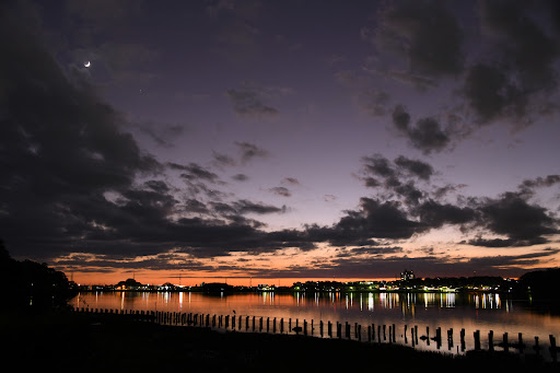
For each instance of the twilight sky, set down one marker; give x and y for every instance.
(271, 141)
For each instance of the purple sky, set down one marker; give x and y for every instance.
(280, 139)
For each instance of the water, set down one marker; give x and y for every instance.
(425, 312)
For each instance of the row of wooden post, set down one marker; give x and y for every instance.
(379, 333)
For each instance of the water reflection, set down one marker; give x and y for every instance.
(425, 313)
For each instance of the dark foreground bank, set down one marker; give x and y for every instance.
(108, 343)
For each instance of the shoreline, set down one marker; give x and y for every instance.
(83, 342)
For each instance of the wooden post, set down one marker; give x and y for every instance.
(462, 337)
(347, 329)
(247, 323)
(404, 333)
(520, 343)
(274, 325)
(491, 340)
(394, 333)
(450, 339)
(321, 328)
(536, 347)
(304, 327)
(369, 333)
(359, 333)
(379, 333)
(329, 328)
(476, 335)
(338, 329)
(267, 324)
(505, 342)
(428, 335)
(384, 332)
(281, 325)
(438, 337)
(373, 332)
(553, 349)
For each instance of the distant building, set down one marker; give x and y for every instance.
(407, 275)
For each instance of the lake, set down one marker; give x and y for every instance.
(487, 313)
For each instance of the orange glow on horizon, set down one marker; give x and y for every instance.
(162, 277)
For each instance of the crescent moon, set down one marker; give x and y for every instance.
(87, 64)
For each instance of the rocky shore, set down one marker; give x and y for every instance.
(69, 342)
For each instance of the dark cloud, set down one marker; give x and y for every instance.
(515, 218)
(516, 78)
(426, 135)
(435, 215)
(379, 220)
(399, 176)
(245, 207)
(240, 177)
(250, 103)
(528, 186)
(290, 181)
(421, 169)
(425, 33)
(223, 160)
(379, 166)
(250, 151)
(65, 152)
(194, 171)
(281, 191)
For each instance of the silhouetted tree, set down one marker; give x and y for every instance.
(542, 285)
(30, 286)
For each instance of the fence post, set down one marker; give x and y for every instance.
(553, 349)
(476, 335)
(536, 347)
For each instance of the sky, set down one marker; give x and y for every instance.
(274, 141)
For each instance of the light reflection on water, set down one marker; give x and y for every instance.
(485, 312)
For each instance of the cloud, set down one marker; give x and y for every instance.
(249, 103)
(65, 152)
(513, 217)
(426, 135)
(250, 151)
(425, 34)
(281, 191)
